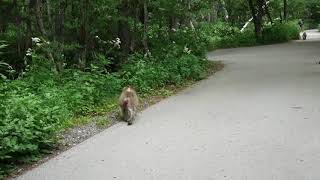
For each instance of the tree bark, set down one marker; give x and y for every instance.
(84, 34)
(29, 24)
(59, 24)
(266, 8)
(257, 18)
(145, 27)
(214, 15)
(49, 14)
(39, 17)
(226, 14)
(285, 10)
(124, 30)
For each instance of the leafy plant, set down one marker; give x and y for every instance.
(280, 33)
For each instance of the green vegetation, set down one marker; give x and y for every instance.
(61, 61)
(223, 35)
(280, 33)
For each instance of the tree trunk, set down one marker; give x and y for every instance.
(124, 30)
(39, 17)
(285, 10)
(1, 25)
(84, 34)
(226, 14)
(190, 18)
(214, 15)
(59, 24)
(29, 25)
(49, 15)
(268, 12)
(256, 15)
(145, 27)
(259, 17)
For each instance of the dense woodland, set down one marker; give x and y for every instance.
(61, 59)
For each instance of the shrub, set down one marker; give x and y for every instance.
(144, 74)
(183, 37)
(187, 67)
(175, 67)
(280, 33)
(34, 108)
(237, 40)
(293, 30)
(222, 35)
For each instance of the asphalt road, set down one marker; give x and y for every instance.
(258, 119)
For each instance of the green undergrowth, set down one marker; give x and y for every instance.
(279, 32)
(40, 104)
(223, 35)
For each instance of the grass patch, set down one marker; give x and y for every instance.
(100, 116)
(102, 122)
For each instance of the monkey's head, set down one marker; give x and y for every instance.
(128, 88)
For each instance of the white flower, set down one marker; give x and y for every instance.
(173, 29)
(117, 43)
(147, 54)
(35, 39)
(29, 52)
(187, 50)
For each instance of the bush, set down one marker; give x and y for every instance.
(34, 108)
(183, 37)
(222, 35)
(293, 30)
(174, 67)
(186, 67)
(237, 40)
(144, 74)
(280, 33)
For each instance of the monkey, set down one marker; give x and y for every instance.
(304, 36)
(128, 103)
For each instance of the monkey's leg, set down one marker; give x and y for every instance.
(131, 117)
(126, 115)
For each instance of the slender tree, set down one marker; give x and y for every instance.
(285, 10)
(257, 11)
(145, 25)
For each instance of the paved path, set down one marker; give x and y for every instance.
(258, 119)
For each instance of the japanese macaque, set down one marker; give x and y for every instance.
(128, 102)
(304, 36)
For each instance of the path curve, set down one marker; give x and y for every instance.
(258, 119)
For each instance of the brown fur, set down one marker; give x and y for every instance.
(128, 103)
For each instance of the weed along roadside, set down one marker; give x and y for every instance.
(83, 127)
